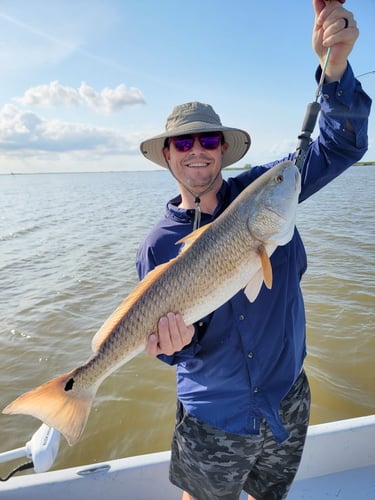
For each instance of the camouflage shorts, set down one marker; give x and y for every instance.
(211, 464)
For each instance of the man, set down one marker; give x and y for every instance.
(243, 397)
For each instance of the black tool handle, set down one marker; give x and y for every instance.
(304, 139)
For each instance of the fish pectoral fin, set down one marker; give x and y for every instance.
(254, 285)
(192, 237)
(59, 403)
(263, 275)
(266, 266)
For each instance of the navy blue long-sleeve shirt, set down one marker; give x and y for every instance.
(245, 357)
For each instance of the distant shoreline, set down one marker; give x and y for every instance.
(358, 164)
(245, 167)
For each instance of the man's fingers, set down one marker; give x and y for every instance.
(152, 345)
(165, 336)
(172, 336)
(186, 332)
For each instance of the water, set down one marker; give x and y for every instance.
(67, 247)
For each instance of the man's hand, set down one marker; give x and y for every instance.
(334, 27)
(172, 336)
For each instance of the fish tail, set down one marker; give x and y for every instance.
(60, 403)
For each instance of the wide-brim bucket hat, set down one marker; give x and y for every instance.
(192, 118)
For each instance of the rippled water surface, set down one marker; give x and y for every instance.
(67, 247)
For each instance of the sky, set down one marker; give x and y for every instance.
(83, 82)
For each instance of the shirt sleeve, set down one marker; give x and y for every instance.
(342, 139)
(145, 260)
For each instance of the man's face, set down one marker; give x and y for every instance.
(196, 159)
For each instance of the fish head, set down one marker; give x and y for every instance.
(271, 205)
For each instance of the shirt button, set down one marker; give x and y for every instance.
(339, 93)
(241, 317)
(256, 389)
(251, 355)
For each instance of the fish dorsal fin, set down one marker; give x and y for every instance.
(106, 329)
(266, 266)
(192, 237)
(263, 275)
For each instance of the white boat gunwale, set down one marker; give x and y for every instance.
(338, 462)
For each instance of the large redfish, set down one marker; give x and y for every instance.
(218, 260)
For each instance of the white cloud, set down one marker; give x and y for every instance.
(24, 132)
(52, 94)
(108, 100)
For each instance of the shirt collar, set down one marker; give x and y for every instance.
(174, 212)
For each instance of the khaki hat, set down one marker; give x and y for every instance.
(192, 118)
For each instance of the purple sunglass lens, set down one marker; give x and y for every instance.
(210, 141)
(185, 143)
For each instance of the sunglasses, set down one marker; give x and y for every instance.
(208, 140)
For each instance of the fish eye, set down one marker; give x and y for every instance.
(279, 179)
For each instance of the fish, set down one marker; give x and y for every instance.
(215, 262)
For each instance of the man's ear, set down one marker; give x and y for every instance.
(167, 154)
(224, 147)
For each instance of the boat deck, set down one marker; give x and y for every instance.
(338, 463)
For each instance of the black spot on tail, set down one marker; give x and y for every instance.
(69, 385)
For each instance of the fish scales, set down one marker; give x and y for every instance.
(182, 289)
(217, 261)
